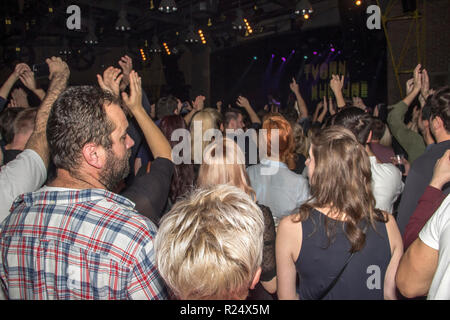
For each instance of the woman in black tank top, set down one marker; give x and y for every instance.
(338, 244)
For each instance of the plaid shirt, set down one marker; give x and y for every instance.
(78, 244)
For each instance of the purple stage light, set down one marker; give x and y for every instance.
(284, 59)
(273, 55)
(293, 51)
(332, 49)
(315, 53)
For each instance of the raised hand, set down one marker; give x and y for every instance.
(409, 86)
(126, 63)
(110, 80)
(417, 78)
(425, 88)
(441, 173)
(219, 106)
(294, 86)
(134, 100)
(199, 103)
(20, 69)
(57, 67)
(336, 83)
(359, 103)
(242, 102)
(28, 80)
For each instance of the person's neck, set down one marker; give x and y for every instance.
(441, 137)
(83, 181)
(271, 158)
(368, 150)
(326, 210)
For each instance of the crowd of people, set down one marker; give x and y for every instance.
(105, 195)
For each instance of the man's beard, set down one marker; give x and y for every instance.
(116, 169)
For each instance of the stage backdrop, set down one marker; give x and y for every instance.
(311, 57)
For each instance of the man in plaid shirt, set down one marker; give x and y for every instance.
(74, 239)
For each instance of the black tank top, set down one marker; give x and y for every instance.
(318, 265)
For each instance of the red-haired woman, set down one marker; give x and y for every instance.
(275, 185)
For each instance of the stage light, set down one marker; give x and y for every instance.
(358, 2)
(238, 23)
(167, 49)
(304, 8)
(202, 37)
(167, 6)
(155, 48)
(273, 55)
(143, 56)
(122, 24)
(315, 53)
(284, 59)
(247, 25)
(293, 51)
(8, 21)
(305, 57)
(191, 36)
(255, 58)
(333, 49)
(152, 6)
(209, 22)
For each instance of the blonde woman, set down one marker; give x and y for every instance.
(225, 164)
(340, 246)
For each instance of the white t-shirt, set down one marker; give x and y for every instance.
(387, 184)
(436, 234)
(24, 174)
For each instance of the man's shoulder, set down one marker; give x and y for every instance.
(80, 212)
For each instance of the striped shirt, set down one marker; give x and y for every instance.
(77, 244)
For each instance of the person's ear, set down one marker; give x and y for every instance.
(94, 155)
(437, 123)
(256, 278)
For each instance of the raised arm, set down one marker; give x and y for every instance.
(13, 77)
(198, 105)
(29, 81)
(59, 75)
(156, 140)
(243, 102)
(336, 84)
(301, 103)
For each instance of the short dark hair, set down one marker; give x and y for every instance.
(231, 114)
(378, 129)
(24, 122)
(357, 121)
(7, 118)
(166, 106)
(439, 104)
(78, 117)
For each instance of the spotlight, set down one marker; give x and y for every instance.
(305, 57)
(315, 53)
(191, 37)
(273, 55)
(168, 6)
(167, 49)
(333, 49)
(202, 37)
(155, 48)
(293, 51)
(239, 24)
(284, 59)
(255, 58)
(143, 56)
(358, 2)
(304, 8)
(122, 24)
(247, 25)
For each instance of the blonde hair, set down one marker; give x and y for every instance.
(301, 141)
(209, 246)
(208, 122)
(224, 163)
(386, 139)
